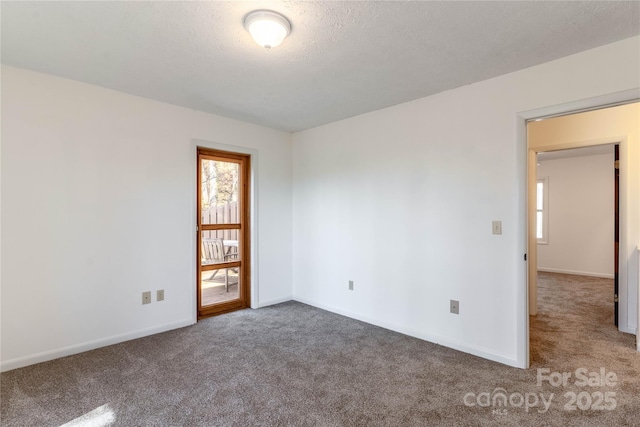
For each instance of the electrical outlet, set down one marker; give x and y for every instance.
(160, 295)
(496, 227)
(454, 306)
(146, 297)
(350, 285)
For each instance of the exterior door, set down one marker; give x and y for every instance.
(223, 281)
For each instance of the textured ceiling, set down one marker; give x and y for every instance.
(341, 59)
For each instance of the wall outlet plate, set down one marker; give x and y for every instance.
(350, 285)
(454, 306)
(160, 295)
(146, 297)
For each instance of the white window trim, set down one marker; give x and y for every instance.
(544, 240)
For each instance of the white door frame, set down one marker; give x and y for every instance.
(526, 161)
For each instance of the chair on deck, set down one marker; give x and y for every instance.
(212, 252)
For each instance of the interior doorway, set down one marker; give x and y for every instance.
(223, 273)
(599, 125)
(576, 256)
(577, 198)
(608, 125)
(591, 134)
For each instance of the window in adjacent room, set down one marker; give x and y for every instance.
(542, 210)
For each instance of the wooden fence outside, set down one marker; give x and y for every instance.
(224, 214)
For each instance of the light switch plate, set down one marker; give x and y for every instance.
(496, 227)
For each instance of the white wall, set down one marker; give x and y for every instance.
(98, 205)
(401, 201)
(581, 217)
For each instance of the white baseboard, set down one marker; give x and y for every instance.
(576, 273)
(436, 339)
(20, 362)
(274, 301)
(628, 330)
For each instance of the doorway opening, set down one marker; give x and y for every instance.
(615, 129)
(223, 273)
(576, 252)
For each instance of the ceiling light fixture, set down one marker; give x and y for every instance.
(267, 28)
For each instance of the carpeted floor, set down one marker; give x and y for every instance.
(295, 365)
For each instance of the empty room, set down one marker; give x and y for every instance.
(319, 213)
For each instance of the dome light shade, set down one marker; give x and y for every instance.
(267, 28)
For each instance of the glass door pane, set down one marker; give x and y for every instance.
(215, 249)
(217, 286)
(222, 218)
(220, 192)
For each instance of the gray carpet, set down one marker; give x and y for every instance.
(295, 365)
